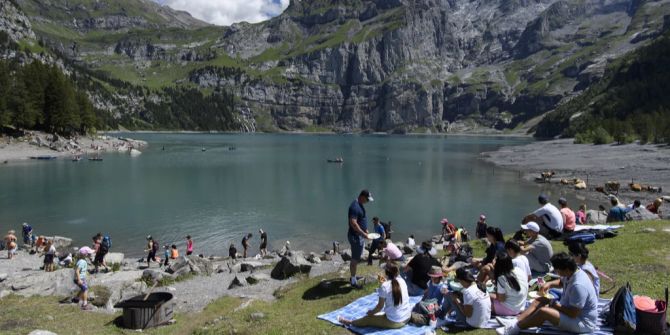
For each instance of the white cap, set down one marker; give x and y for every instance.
(531, 226)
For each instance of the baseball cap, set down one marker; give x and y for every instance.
(444, 221)
(482, 217)
(562, 201)
(543, 198)
(531, 226)
(367, 194)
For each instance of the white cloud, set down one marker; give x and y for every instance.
(226, 12)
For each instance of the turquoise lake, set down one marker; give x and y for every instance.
(281, 183)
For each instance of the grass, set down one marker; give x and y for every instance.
(635, 256)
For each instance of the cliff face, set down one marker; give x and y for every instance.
(349, 65)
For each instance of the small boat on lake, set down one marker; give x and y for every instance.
(336, 160)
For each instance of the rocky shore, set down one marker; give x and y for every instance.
(595, 164)
(24, 145)
(194, 281)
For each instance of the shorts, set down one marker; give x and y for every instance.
(14, 250)
(83, 287)
(48, 259)
(502, 309)
(99, 258)
(357, 246)
(574, 325)
(151, 256)
(188, 253)
(264, 245)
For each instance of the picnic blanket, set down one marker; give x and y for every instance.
(596, 227)
(359, 308)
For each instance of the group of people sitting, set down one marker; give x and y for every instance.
(470, 291)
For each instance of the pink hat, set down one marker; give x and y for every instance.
(85, 251)
(444, 221)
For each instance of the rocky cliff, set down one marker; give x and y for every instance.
(372, 65)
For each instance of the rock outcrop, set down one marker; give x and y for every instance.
(290, 266)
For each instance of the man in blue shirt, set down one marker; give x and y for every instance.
(577, 310)
(617, 212)
(358, 231)
(374, 246)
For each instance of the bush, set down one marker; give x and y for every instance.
(601, 136)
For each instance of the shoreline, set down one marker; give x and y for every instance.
(34, 144)
(646, 164)
(298, 132)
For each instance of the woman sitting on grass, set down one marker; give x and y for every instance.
(580, 254)
(511, 287)
(393, 299)
(471, 305)
(496, 241)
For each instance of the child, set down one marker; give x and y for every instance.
(80, 271)
(474, 308)
(434, 293)
(49, 255)
(189, 245)
(174, 253)
(166, 255)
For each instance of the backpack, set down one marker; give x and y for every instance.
(106, 244)
(621, 314)
(586, 238)
(155, 246)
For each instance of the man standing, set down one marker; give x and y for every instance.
(548, 217)
(358, 231)
(245, 244)
(264, 242)
(374, 246)
(27, 234)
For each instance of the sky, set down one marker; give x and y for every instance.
(227, 12)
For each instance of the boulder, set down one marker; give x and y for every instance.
(238, 282)
(257, 316)
(596, 217)
(327, 257)
(257, 278)
(313, 258)
(100, 295)
(41, 332)
(250, 266)
(114, 258)
(21, 286)
(191, 264)
(407, 250)
(3, 277)
(640, 214)
(346, 255)
(153, 275)
(290, 266)
(61, 242)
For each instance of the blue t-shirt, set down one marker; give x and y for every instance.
(357, 211)
(435, 292)
(82, 265)
(578, 292)
(379, 229)
(617, 214)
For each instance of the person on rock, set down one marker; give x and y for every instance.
(245, 244)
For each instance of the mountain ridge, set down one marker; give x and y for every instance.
(355, 65)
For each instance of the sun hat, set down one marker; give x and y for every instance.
(367, 195)
(532, 226)
(435, 272)
(85, 251)
(426, 246)
(444, 221)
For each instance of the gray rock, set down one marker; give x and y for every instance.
(61, 242)
(250, 266)
(21, 286)
(407, 250)
(346, 255)
(153, 275)
(238, 282)
(114, 258)
(640, 214)
(314, 258)
(257, 316)
(3, 276)
(596, 217)
(290, 266)
(191, 264)
(257, 278)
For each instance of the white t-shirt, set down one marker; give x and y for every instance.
(403, 311)
(521, 262)
(551, 216)
(411, 243)
(515, 300)
(481, 306)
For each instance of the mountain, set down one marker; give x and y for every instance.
(347, 65)
(630, 102)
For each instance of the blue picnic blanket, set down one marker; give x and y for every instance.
(361, 306)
